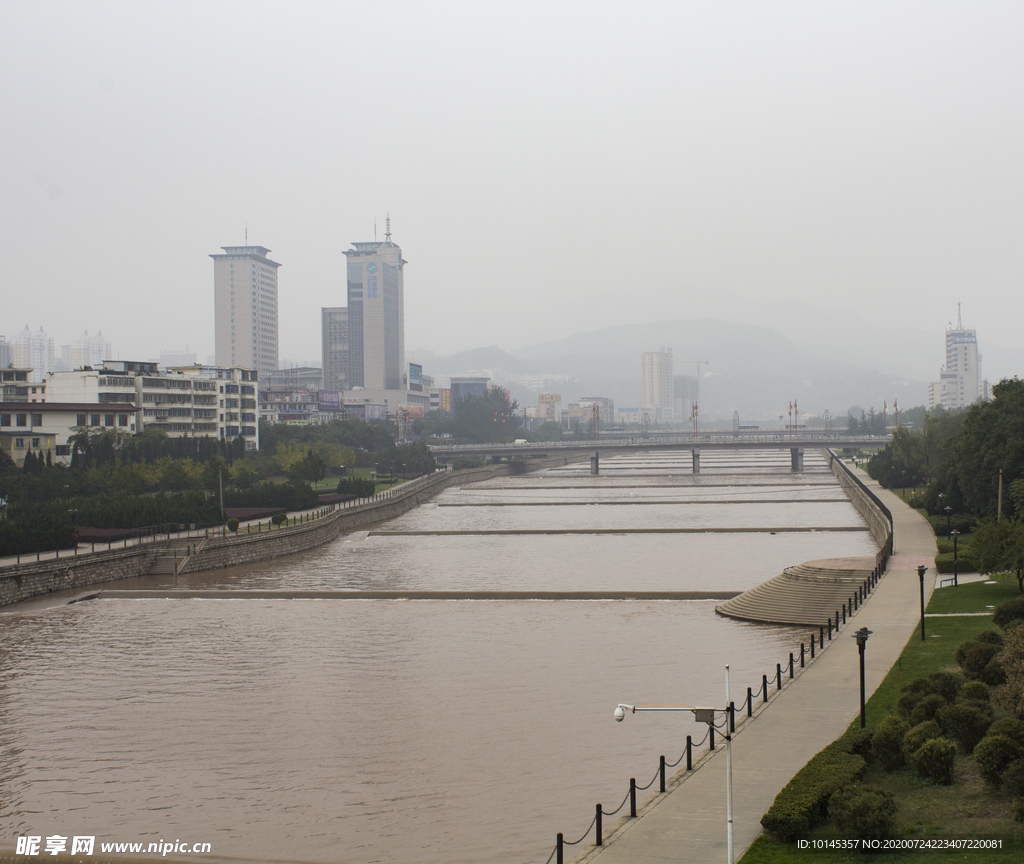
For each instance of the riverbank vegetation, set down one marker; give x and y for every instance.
(969, 466)
(943, 755)
(117, 481)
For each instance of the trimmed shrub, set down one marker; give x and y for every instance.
(966, 723)
(887, 743)
(964, 562)
(361, 487)
(934, 761)
(926, 709)
(976, 658)
(947, 684)
(992, 637)
(993, 673)
(994, 754)
(1007, 611)
(1013, 779)
(1011, 727)
(915, 739)
(912, 693)
(803, 802)
(975, 691)
(278, 518)
(859, 742)
(232, 524)
(864, 811)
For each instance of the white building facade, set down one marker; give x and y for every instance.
(246, 309)
(657, 396)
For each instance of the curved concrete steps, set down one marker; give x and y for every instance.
(809, 593)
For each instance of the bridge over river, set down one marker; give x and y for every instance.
(611, 444)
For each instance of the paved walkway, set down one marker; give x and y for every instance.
(688, 823)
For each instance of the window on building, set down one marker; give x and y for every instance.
(37, 419)
(5, 419)
(19, 443)
(122, 419)
(21, 419)
(94, 420)
(79, 419)
(35, 443)
(63, 449)
(108, 419)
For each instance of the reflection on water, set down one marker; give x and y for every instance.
(420, 731)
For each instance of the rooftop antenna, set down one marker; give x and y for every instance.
(375, 229)
(959, 326)
(387, 231)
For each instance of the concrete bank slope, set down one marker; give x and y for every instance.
(688, 823)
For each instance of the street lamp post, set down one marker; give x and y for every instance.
(920, 575)
(862, 640)
(956, 579)
(707, 715)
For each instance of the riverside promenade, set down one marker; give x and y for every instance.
(688, 822)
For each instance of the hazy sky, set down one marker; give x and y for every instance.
(549, 167)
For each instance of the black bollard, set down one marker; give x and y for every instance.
(632, 797)
(802, 654)
(711, 737)
(778, 675)
(597, 823)
(764, 686)
(661, 772)
(732, 717)
(844, 613)
(558, 849)
(750, 703)
(821, 638)
(791, 663)
(812, 646)
(689, 753)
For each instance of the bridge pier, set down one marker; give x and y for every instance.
(696, 460)
(796, 459)
(595, 462)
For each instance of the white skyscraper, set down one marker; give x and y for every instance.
(245, 308)
(376, 316)
(960, 382)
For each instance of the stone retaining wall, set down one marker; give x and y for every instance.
(875, 513)
(24, 581)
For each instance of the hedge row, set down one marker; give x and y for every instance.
(291, 497)
(803, 803)
(966, 562)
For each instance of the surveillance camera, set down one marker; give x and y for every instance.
(619, 714)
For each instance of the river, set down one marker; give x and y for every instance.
(415, 731)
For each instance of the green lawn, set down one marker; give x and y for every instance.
(972, 596)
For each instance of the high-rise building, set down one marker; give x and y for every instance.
(657, 390)
(6, 358)
(376, 315)
(86, 351)
(245, 308)
(334, 346)
(33, 351)
(960, 381)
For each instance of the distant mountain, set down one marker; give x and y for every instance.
(753, 370)
(491, 357)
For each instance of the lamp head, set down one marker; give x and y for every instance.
(921, 570)
(620, 711)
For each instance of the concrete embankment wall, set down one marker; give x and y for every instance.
(24, 581)
(875, 513)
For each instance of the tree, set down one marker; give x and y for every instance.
(480, 419)
(999, 545)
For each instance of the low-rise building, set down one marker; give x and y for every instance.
(197, 401)
(47, 427)
(19, 387)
